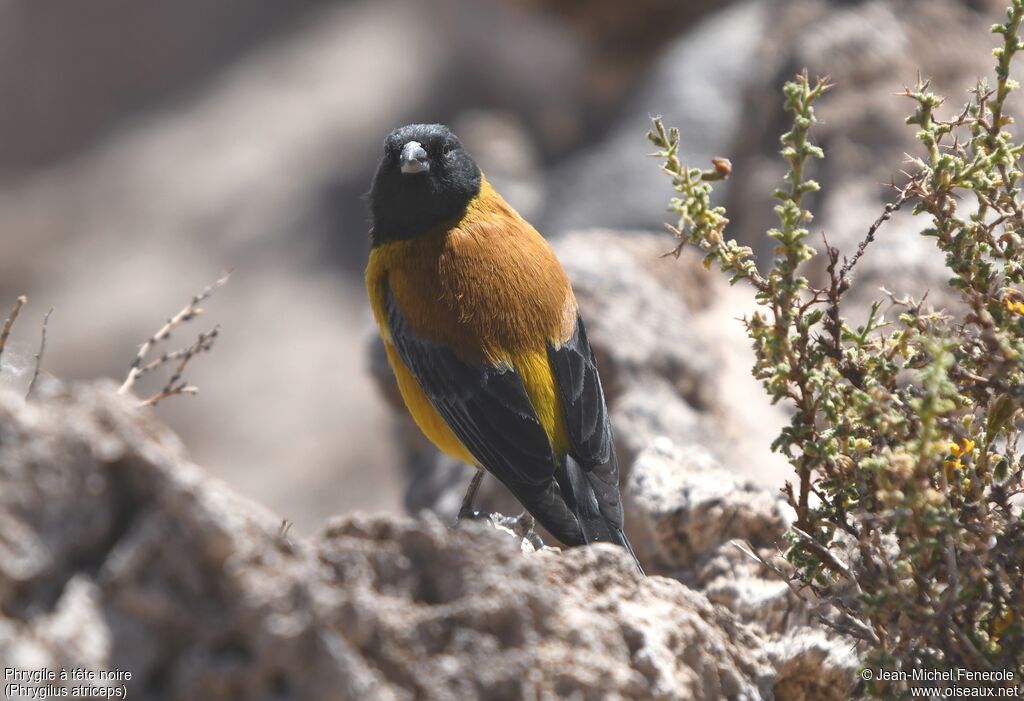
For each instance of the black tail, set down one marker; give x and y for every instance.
(596, 503)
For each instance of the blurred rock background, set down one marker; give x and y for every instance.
(147, 146)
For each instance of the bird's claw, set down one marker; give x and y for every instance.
(523, 525)
(469, 515)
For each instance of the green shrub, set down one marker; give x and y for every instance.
(904, 431)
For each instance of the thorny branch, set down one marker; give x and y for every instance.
(890, 208)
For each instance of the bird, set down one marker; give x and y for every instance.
(484, 336)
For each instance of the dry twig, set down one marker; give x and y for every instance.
(164, 358)
(39, 355)
(892, 207)
(11, 318)
(846, 623)
(175, 384)
(139, 366)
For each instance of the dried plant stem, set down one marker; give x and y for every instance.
(189, 312)
(11, 318)
(39, 355)
(175, 384)
(848, 624)
(165, 358)
(890, 208)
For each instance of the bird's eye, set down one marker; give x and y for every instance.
(446, 151)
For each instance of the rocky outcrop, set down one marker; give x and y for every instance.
(117, 553)
(701, 524)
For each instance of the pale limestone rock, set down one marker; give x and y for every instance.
(201, 594)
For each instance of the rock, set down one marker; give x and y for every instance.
(648, 412)
(688, 518)
(694, 521)
(813, 667)
(130, 557)
(474, 633)
(620, 42)
(639, 319)
(684, 506)
(698, 84)
(691, 519)
(728, 575)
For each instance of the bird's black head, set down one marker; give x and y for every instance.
(424, 178)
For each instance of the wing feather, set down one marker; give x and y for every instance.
(586, 418)
(489, 410)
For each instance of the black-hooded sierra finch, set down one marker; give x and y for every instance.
(485, 339)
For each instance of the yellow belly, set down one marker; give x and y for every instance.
(423, 413)
(535, 371)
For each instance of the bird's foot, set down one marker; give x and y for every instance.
(469, 515)
(466, 511)
(522, 526)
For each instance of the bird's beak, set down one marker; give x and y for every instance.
(414, 159)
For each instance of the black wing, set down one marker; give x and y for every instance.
(590, 437)
(488, 409)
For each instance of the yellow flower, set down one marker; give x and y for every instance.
(958, 450)
(1015, 306)
(965, 447)
(1001, 624)
(951, 466)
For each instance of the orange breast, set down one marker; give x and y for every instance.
(487, 286)
(490, 288)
